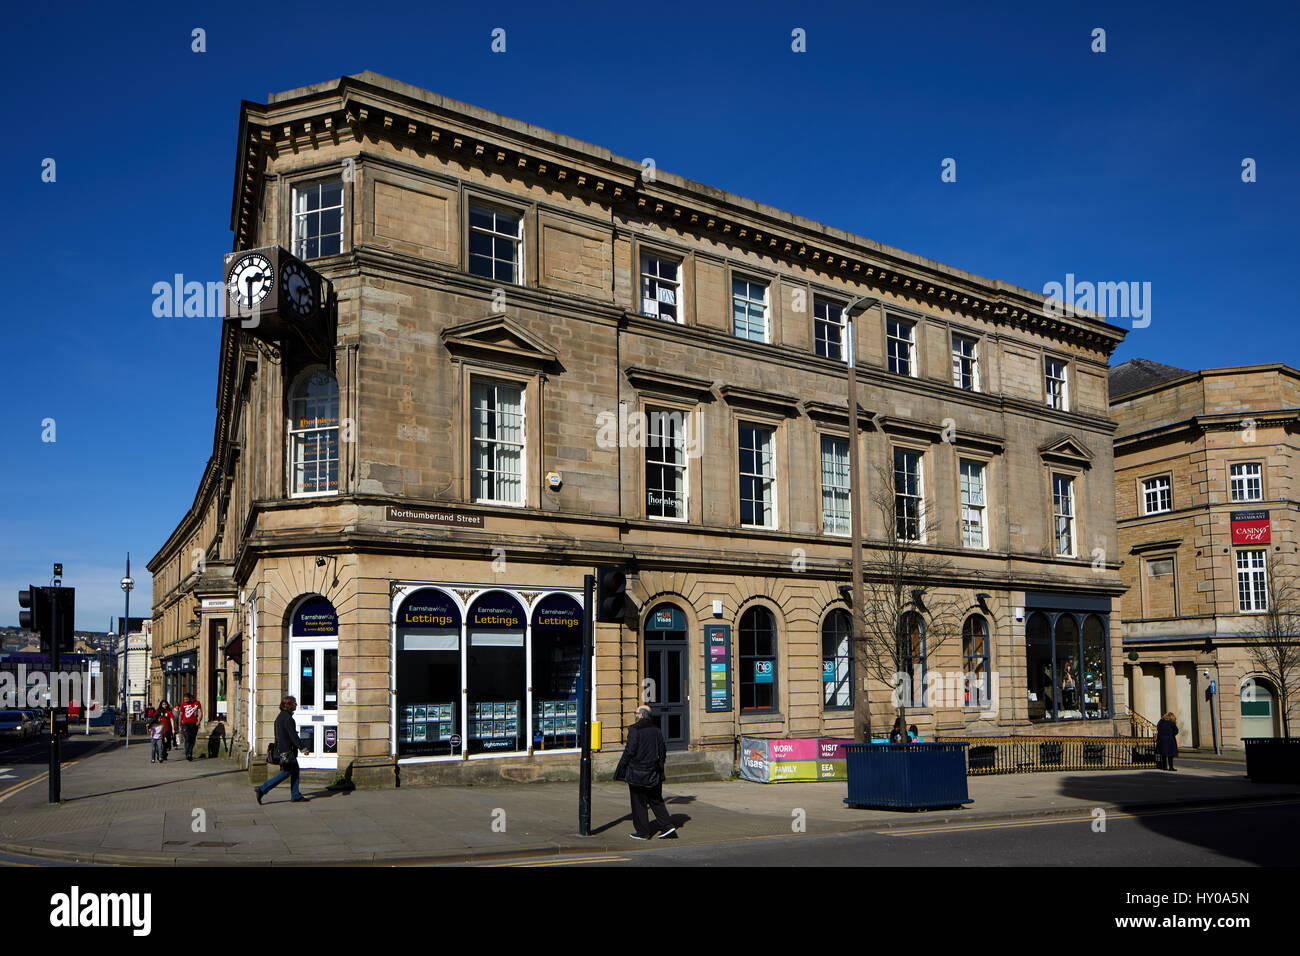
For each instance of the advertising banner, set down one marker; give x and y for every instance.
(793, 759)
(717, 649)
(1250, 527)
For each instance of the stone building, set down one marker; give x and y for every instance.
(547, 358)
(1206, 502)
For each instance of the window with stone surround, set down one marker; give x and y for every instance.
(909, 495)
(974, 529)
(828, 329)
(965, 363)
(661, 287)
(665, 463)
(757, 476)
(837, 661)
(749, 309)
(496, 241)
(1252, 584)
(1063, 516)
(318, 219)
(835, 485)
(1057, 384)
(497, 441)
(314, 435)
(1248, 481)
(900, 345)
(1157, 495)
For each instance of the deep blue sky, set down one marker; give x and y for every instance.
(1124, 165)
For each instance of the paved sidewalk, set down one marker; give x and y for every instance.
(119, 808)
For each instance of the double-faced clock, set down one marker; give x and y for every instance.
(297, 292)
(250, 279)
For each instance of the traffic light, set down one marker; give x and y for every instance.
(36, 613)
(34, 608)
(611, 594)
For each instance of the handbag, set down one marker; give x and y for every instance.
(272, 757)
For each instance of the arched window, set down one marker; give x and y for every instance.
(912, 650)
(757, 660)
(314, 435)
(837, 661)
(975, 655)
(1067, 666)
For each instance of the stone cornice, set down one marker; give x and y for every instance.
(368, 105)
(664, 382)
(759, 399)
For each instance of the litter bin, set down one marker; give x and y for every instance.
(906, 776)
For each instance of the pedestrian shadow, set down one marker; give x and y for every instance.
(679, 820)
(152, 786)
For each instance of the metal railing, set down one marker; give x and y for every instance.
(1034, 754)
(1140, 726)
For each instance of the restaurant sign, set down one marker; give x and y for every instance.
(1250, 527)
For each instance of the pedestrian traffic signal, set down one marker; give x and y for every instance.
(611, 594)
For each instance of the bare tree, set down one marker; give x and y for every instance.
(1274, 640)
(904, 619)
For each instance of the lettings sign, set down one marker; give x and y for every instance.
(1250, 527)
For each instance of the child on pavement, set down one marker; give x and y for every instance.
(156, 734)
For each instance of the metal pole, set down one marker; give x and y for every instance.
(126, 650)
(861, 699)
(584, 709)
(56, 755)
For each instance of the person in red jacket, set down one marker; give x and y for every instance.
(191, 715)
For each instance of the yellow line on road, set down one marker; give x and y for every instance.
(573, 861)
(1083, 818)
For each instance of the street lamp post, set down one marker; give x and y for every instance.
(127, 585)
(861, 699)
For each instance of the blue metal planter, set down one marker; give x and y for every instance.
(906, 776)
(1272, 759)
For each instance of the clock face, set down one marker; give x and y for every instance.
(296, 289)
(251, 279)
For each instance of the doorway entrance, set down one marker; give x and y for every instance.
(667, 674)
(314, 681)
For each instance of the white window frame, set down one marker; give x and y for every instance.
(494, 441)
(297, 436)
(837, 324)
(976, 510)
(657, 282)
(960, 360)
(769, 478)
(1241, 481)
(681, 465)
(298, 219)
(918, 496)
(1151, 487)
(1067, 514)
(898, 322)
(1058, 398)
(474, 205)
(1252, 580)
(749, 301)
(833, 493)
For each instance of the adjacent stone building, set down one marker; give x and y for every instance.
(1206, 500)
(547, 358)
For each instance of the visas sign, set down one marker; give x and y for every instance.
(1250, 527)
(717, 652)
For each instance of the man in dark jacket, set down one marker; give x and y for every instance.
(642, 767)
(287, 745)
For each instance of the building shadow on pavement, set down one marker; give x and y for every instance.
(1136, 792)
(153, 786)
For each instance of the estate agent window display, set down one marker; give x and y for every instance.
(463, 678)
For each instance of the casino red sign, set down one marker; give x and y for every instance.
(1250, 527)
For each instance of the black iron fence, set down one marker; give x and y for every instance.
(1031, 754)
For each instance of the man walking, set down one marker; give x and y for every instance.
(191, 715)
(642, 767)
(287, 745)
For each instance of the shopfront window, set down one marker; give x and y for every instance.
(557, 658)
(1041, 686)
(428, 675)
(1067, 658)
(913, 645)
(495, 674)
(1094, 668)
